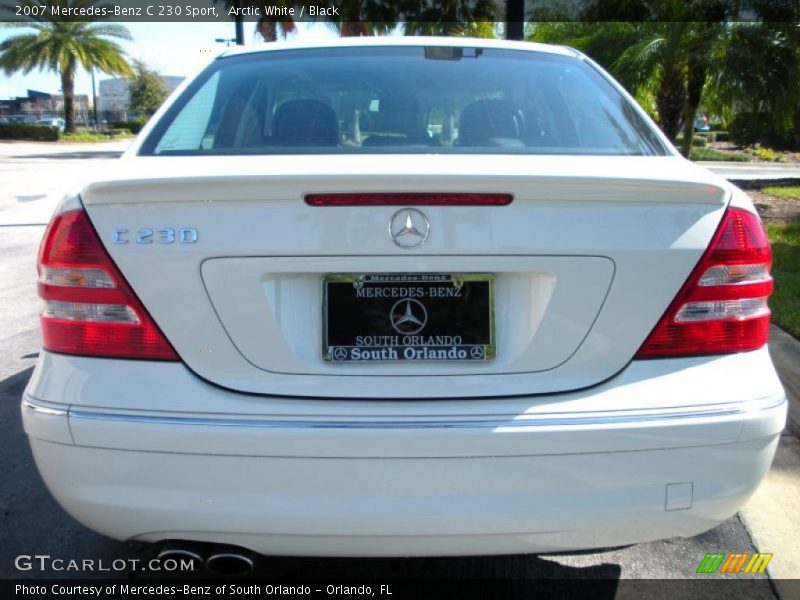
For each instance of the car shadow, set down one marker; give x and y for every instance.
(14, 384)
(518, 567)
(508, 576)
(31, 520)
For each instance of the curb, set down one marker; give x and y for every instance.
(785, 352)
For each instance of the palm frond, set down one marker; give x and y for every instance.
(64, 46)
(111, 30)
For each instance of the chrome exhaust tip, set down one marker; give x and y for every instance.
(185, 554)
(230, 561)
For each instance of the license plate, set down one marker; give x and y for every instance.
(408, 317)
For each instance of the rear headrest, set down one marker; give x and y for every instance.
(486, 119)
(400, 114)
(305, 123)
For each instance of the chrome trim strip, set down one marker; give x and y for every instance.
(223, 555)
(44, 410)
(517, 423)
(769, 403)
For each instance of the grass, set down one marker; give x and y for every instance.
(785, 301)
(789, 192)
(711, 154)
(90, 136)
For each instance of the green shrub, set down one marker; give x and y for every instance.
(711, 154)
(748, 128)
(698, 141)
(134, 125)
(100, 136)
(722, 136)
(28, 131)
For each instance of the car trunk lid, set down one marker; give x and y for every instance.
(585, 259)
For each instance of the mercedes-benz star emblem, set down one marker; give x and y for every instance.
(476, 352)
(408, 316)
(409, 228)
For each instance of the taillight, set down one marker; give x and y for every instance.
(90, 309)
(722, 307)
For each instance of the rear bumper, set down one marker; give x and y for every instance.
(463, 481)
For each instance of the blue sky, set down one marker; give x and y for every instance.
(171, 48)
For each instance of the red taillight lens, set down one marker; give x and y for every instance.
(722, 307)
(90, 309)
(406, 199)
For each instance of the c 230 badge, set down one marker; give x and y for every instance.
(149, 235)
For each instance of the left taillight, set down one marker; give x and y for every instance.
(89, 308)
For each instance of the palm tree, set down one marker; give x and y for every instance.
(704, 39)
(659, 57)
(269, 30)
(361, 28)
(480, 29)
(64, 47)
(761, 101)
(416, 17)
(449, 17)
(268, 27)
(359, 18)
(666, 59)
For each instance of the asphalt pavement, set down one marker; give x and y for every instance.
(32, 178)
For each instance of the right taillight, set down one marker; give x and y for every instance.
(90, 310)
(722, 307)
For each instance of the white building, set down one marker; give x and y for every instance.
(113, 94)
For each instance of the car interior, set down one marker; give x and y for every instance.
(421, 106)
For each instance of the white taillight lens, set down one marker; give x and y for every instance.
(76, 277)
(84, 311)
(735, 275)
(723, 309)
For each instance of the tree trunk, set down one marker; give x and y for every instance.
(68, 89)
(354, 29)
(669, 101)
(796, 127)
(688, 130)
(268, 30)
(515, 19)
(694, 93)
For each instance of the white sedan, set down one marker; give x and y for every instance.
(392, 297)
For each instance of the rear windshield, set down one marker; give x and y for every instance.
(399, 100)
